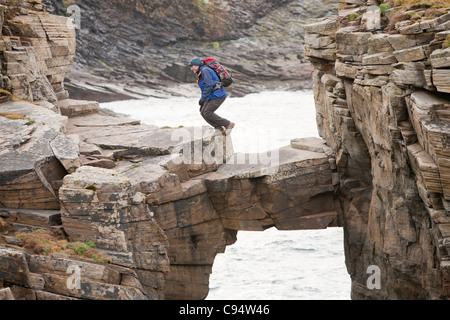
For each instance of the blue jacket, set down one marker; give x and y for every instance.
(206, 80)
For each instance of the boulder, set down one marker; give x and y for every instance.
(440, 58)
(6, 294)
(72, 108)
(100, 205)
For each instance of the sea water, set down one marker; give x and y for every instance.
(273, 264)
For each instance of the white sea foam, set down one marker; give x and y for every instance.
(271, 264)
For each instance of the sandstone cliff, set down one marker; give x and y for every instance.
(381, 88)
(37, 52)
(157, 210)
(158, 204)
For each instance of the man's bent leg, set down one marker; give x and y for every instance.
(208, 114)
(207, 120)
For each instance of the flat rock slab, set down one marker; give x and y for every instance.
(325, 26)
(440, 58)
(312, 144)
(14, 133)
(27, 180)
(427, 101)
(6, 294)
(28, 166)
(282, 161)
(150, 178)
(14, 164)
(45, 218)
(66, 149)
(31, 133)
(138, 139)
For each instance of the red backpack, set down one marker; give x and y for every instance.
(223, 74)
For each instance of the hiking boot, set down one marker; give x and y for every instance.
(222, 131)
(230, 126)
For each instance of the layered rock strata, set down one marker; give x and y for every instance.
(160, 203)
(36, 153)
(200, 193)
(382, 107)
(259, 40)
(133, 189)
(149, 198)
(35, 182)
(38, 50)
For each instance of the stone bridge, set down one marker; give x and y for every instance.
(162, 208)
(161, 202)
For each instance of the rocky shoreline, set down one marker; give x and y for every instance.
(73, 176)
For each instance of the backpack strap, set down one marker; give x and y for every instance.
(218, 84)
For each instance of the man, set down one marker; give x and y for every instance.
(213, 95)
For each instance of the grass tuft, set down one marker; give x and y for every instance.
(46, 242)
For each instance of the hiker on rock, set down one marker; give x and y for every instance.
(213, 95)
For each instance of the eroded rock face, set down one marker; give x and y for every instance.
(201, 205)
(29, 171)
(100, 205)
(46, 278)
(162, 206)
(38, 51)
(380, 107)
(296, 193)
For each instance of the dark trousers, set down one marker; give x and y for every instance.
(207, 112)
